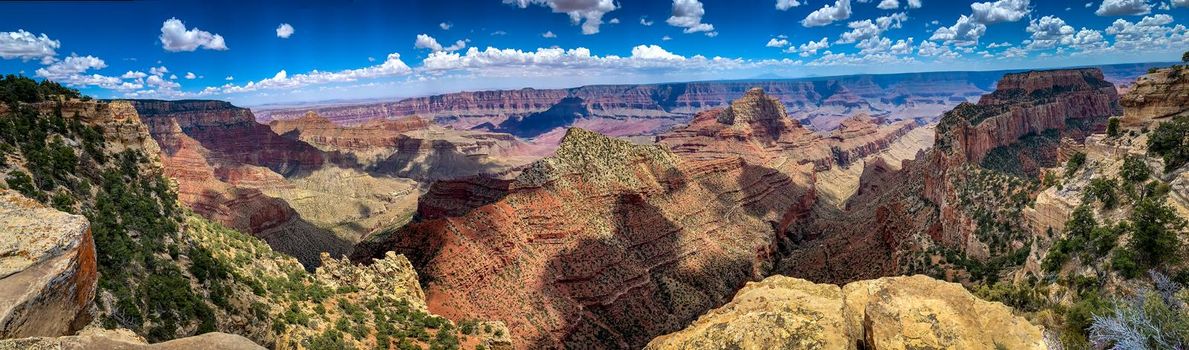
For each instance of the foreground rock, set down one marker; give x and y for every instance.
(47, 269)
(126, 340)
(914, 312)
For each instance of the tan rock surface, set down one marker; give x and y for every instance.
(915, 312)
(47, 269)
(126, 340)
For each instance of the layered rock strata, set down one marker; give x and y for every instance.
(47, 269)
(605, 245)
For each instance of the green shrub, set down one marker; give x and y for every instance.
(1169, 141)
(1154, 233)
(1134, 170)
(1075, 163)
(1112, 127)
(1103, 190)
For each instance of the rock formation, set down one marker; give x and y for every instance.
(1157, 96)
(126, 340)
(626, 110)
(605, 244)
(914, 312)
(47, 269)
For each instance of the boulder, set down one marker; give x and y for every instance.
(47, 269)
(909, 312)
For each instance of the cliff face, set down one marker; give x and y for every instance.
(1158, 96)
(47, 269)
(605, 244)
(823, 102)
(1028, 103)
(914, 312)
(232, 132)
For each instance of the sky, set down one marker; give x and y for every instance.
(282, 52)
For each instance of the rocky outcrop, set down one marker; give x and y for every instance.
(1161, 95)
(231, 132)
(914, 312)
(99, 339)
(604, 245)
(1075, 101)
(47, 269)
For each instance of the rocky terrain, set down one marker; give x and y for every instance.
(600, 245)
(160, 274)
(625, 110)
(914, 312)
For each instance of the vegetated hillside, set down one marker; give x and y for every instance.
(166, 273)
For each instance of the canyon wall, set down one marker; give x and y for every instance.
(605, 245)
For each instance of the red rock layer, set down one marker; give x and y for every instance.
(232, 133)
(604, 245)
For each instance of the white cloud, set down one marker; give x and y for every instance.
(1180, 3)
(494, 62)
(173, 77)
(1124, 8)
(613, 21)
(548, 34)
(774, 42)
(158, 71)
(424, 41)
(134, 75)
(788, 4)
(1149, 33)
(26, 46)
(931, 49)
(445, 25)
(72, 71)
(688, 14)
(191, 75)
(810, 48)
(888, 4)
(284, 31)
(963, 33)
(588, 12)
(914, 4)
(666, 38)
(229, 78)
(392, 66)
(1048, 31)
(828, 14)
(174, 37)
(998, 45)
(645, 22)
(999, 11)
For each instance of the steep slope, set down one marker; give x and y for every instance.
(601, 245)
(167, 274)
(914, 312)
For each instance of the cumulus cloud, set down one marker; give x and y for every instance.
(963, 33)
(587, 12)
(284, 31)
(1149, 33)
(73, 71)
(191, 75)
(158, 70)
(645, 22)
(548, 34)
(867, 29)
(999, 11)
(777, 42)
(931, 49)
(688, 14)
(1180, 3)
(914, 4)
(424, 41)
(392, 66)
(810, 48)
(828, 14)
(1124, 8)
(1051, 32)
(26, 46)
(788, 4)
(175, 37)
(888, 4)
(494, 62)
(445, 25)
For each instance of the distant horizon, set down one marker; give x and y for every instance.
(332, 102)
(265, 53)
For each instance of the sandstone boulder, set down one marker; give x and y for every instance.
(915, 312)
(47, 269)
(126, 340)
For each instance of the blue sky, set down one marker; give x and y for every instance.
(236, 50)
